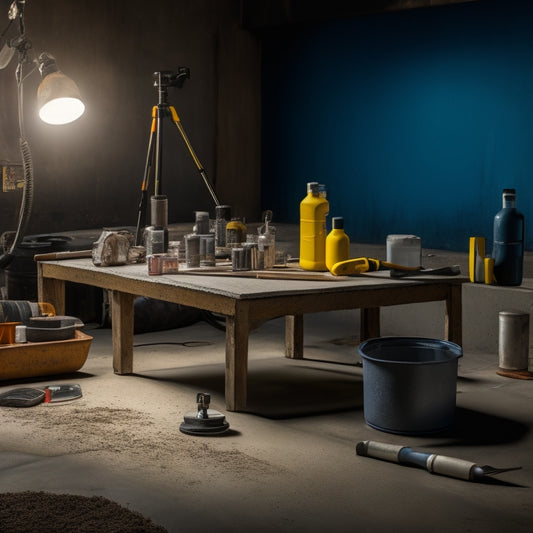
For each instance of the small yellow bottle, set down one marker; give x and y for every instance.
(337, 243)
(313, 211)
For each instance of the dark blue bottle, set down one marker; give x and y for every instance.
(508, 247)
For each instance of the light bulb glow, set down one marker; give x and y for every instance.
(61, 111)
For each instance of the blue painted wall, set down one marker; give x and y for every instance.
(415, 120)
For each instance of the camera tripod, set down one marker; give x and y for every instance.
(163, 80)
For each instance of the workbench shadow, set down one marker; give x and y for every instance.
(279, 387)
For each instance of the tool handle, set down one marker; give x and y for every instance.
(436, 464)
(451, 467)
(55, 256)
(379, 450)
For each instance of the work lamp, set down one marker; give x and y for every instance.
(58, 97)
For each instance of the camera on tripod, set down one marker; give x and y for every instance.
(169, 78)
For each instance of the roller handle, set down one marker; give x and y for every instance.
(379, 450)
(452, 467)
(436, 464)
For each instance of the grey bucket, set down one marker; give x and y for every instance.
(409, 384)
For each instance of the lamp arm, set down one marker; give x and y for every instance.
(27, 161)
(25, 206)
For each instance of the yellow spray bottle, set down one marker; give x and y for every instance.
(313, 211)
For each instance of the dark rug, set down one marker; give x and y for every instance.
(35, 512)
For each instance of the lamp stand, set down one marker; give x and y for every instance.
(163, 109)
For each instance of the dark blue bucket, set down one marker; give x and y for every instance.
(409, 384)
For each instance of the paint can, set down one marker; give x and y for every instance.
(405, 250)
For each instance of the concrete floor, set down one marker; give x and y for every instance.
(289, 462)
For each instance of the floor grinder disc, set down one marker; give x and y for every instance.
(204, 421)
(213, 425)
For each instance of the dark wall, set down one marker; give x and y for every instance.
(88, 174)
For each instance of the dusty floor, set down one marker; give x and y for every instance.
(289, 463)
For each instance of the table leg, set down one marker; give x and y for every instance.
(453, 329)
(370, 323)
(122, 331)
(51, 291)
(237, 332)
(294, 336)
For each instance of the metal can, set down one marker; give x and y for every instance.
(235, 233)
(155, 240)
(513, 349)
(238, 259)
(207, 250)
(222, 216)
(192, 250)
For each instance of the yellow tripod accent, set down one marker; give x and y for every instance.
(159, 112)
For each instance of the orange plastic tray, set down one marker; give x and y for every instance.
(8, 332)
(44, 358)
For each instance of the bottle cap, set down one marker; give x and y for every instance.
(223, 212)
(201, 215)
(337, 222)
(313, 187)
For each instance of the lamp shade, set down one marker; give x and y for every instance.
(58, 99)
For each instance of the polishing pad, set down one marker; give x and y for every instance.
(214, 424)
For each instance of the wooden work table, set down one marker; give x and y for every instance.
(247, 302)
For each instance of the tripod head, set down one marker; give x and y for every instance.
(168, 78)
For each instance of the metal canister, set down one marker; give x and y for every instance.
(235, 232)
(192, 250)
(251, 255)
(201, 222)
(159, 210)
(223, 216)
(513, 349)
(240, 259)
(155, 240)
(207, 250)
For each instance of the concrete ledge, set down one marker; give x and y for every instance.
(481, 307)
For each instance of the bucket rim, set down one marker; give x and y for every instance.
(453, 349)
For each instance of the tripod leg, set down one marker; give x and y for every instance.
(177, 122)
(141, 214)
(160, 114)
